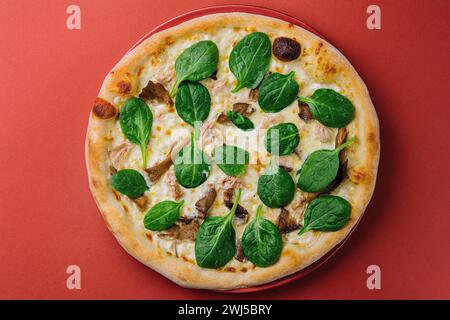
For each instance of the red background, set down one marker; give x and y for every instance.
(50, 76)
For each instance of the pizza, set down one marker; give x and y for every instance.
(232, 150)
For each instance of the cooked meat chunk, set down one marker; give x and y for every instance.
(155, 91)
(118, 154)
(286, 223)
(324, 134)
(174, 187)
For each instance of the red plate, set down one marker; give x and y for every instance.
(275, 14)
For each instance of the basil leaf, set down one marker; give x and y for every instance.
(136, 121)
(193, 102)
(275, 186)
(326, 213)
(330, 108)
(250, 60)
(129, 182)
(215, 242)
(282, 139)
(231, 159)
(320, 169)
(191, 166)
(196, 63)
(277, 92)
(163, 215)
(240, 121)
(261, 241)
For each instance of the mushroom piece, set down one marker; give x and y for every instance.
(181, 231)
(286, 223)
(286, 49)
(244, 109)
(304, 112)
(155, 91)
(140, 202)
(253, 94)
(239, 252)
(156, 171)
(204, 203)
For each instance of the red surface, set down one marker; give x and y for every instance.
(50, 76)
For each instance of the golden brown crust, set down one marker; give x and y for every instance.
(321, 61)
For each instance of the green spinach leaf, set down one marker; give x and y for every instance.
(193, 102)
(240, 121)
(163, 215)
(282, 139)
(261, 241)
(250, 60)
(275, 186)
(196, 63)
(136, 123)
(129, 182)
(320, 168)
(326, 213)
(231, 159)
(215, 242)
(330, 108)
(277, 92)
(191, 165)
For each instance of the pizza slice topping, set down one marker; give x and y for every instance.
(320, 172)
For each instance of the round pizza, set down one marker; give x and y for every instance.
(232, 150)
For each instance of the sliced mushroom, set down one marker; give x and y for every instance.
(340, 139)
(241, 212)
(244, 109)
(204, 203)
(155, 91)
(286, 223)
(222, 118)
(156, 171)
(239, 252)
(286, 49)
(304, 112)
(182, 231)
(253, 94)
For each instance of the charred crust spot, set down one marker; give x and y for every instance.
(124, 87)
(95, 183)
(103, 109)
(149, 236)
(125, 208)
(243, 269)
(116, 195)
(286, 49)
(169, 253)
(230, 269)
(357, 175)
(318, 48)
